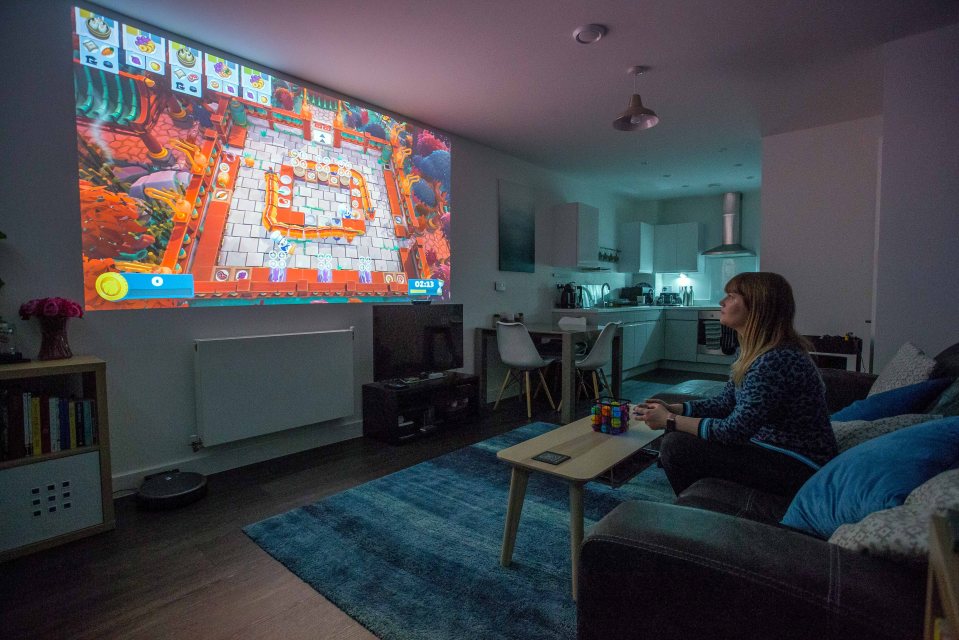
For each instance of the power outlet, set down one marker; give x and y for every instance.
(499, 286)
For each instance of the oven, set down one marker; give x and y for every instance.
(713, 338)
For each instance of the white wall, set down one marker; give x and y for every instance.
(818, 221)
(917, 296)
(149, 353)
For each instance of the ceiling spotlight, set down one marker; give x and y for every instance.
(589, 33)
(636, 115)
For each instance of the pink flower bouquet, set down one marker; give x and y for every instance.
(50, 308)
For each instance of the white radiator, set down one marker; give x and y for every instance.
(253, 385)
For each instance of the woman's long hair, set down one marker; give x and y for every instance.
(770, 311)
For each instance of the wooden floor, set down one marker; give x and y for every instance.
(192, 573)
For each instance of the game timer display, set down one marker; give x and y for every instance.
(205, 181)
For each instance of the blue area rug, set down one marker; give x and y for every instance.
(415, 554)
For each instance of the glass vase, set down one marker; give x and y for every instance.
(54, 344)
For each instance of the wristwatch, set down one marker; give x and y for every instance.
(671, 422)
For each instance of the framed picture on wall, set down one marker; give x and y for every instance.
(517, 228)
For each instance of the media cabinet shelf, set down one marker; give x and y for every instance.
(398, 415)
(80, 502)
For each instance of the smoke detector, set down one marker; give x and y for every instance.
(589, 33)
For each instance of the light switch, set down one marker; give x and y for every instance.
(499, 286)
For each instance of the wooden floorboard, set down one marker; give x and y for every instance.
(192, 572)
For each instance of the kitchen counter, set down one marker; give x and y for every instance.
(647, 307)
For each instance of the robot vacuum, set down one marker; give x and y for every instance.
(171, 489)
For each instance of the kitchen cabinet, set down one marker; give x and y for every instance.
(676, 247)
(575, 235)
(680, 339)
(636, 241)
(653, 347)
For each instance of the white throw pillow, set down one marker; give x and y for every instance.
(853, 432)
(909, 366)
(902, 533)
(939, 492)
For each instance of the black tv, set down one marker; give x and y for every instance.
(412, 340)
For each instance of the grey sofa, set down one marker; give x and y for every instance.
(717, 565)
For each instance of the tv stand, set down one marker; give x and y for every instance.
(398, 415)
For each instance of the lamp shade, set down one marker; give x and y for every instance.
(636, 116)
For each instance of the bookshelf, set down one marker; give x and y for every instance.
(53, 497)
(942, 589)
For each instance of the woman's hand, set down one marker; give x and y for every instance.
(653, 413)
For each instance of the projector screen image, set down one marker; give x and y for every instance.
(207, 182)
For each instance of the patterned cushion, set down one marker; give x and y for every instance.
(947, 403)
(851, 433)
(902, 533)
(910, 365)
(939, 492)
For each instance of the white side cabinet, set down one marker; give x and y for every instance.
(575, 235)
(676, 247)
(55, 495)
(636, 246)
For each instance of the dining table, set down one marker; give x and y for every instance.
(569, 336)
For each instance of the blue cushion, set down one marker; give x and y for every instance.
(913, 398)
(877, 474)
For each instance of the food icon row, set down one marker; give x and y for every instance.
(100, 47)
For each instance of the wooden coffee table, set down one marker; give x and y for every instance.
(591, 455)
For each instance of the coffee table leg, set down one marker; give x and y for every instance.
(517, 492)
(575, 526)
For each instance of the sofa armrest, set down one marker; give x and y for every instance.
(845, 387)
(651, 570)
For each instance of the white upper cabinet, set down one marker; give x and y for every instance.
(636, 247)
(575, 235)
(676, 247)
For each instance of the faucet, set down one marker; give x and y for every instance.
(603, 292)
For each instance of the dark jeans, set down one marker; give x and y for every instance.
(687, 458)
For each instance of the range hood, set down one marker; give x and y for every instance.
(730, 248)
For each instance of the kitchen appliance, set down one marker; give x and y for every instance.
(730, 248)
(570, 296)
(668, 299)
(646, 292)
(713, 338)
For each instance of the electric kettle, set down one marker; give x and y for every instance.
(567, 296)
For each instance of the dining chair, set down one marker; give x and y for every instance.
(599, 355)
(517, 351)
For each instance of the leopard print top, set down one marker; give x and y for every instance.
(780, 405)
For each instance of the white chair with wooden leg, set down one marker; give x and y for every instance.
(517, 351)
(600, 355)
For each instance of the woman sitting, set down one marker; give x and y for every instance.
(769, 428)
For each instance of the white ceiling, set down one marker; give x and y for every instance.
(507, 73)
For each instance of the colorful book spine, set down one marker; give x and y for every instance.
(53, 416)
(72, 421)
(15, 430)
(89, 423)
(66, 441)
(36, 430)
(78, 418)
(27, 424)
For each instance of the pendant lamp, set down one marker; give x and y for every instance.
(636, 116)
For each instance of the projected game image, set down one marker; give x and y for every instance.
(206, 182)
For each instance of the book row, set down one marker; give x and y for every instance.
(36, 424)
